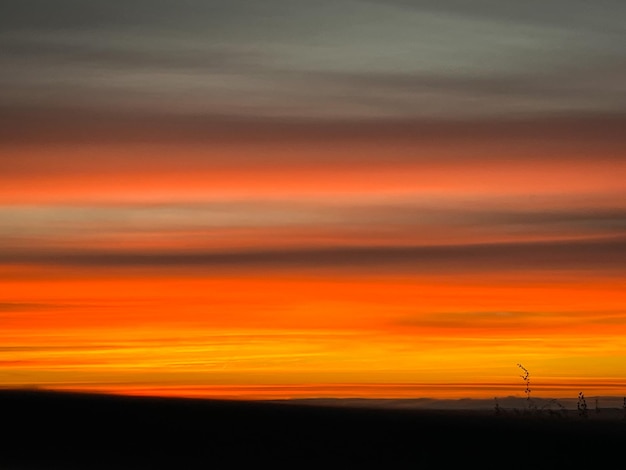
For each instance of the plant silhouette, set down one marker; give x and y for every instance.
(526, 378)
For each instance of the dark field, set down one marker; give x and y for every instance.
(46, 430)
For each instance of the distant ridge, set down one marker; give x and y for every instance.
(508, 402)
(63, 430)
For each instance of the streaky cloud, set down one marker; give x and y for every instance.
(571, 254)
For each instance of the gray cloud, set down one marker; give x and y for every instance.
(66, 51)
(321, 60)
(79, 14)
(565, 13)
(72, 14)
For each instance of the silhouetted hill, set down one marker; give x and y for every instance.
(51, 430)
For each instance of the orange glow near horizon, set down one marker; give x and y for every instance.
(163, 274)
(334, 337)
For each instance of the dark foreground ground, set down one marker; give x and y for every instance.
(46, 430)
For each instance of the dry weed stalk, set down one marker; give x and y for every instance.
(526, 378)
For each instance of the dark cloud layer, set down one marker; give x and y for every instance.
(563, 255)
(28, 125)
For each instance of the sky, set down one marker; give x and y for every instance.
(346, 198)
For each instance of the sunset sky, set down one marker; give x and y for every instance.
(332, 198)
